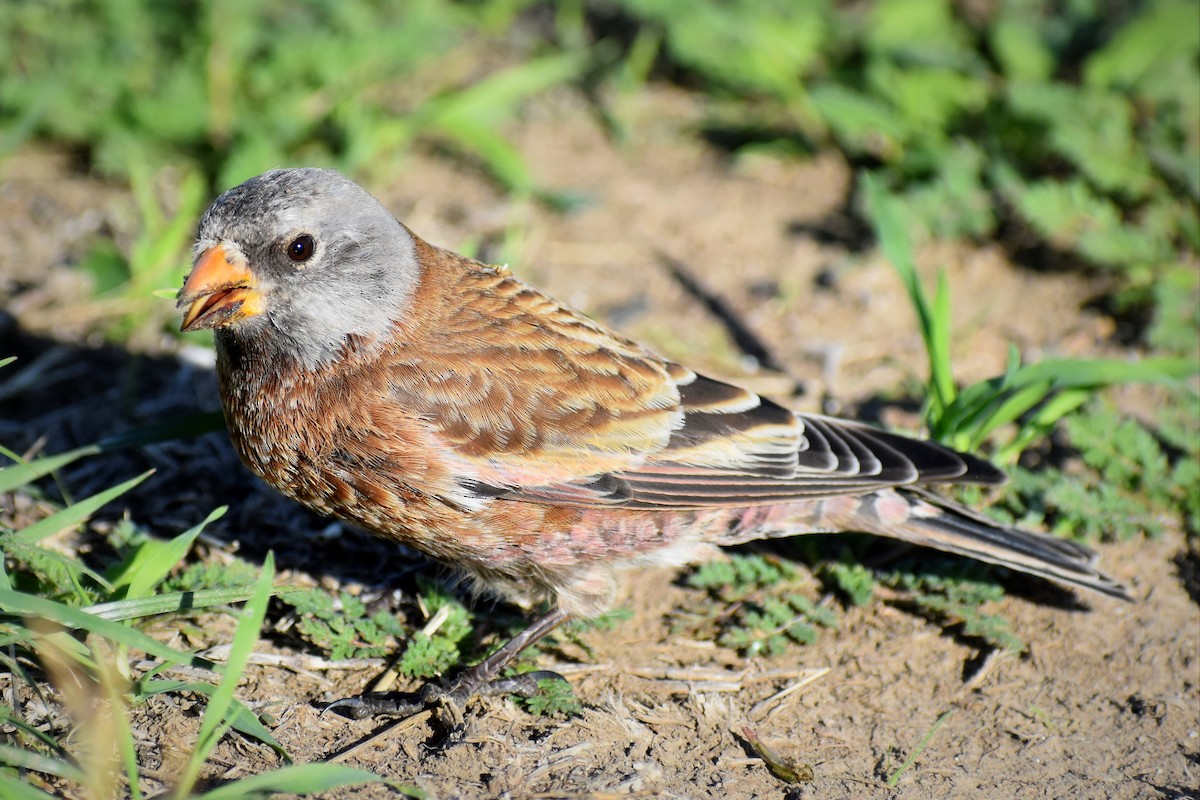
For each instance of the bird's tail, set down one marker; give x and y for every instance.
(929, 520)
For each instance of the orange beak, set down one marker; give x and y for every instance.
(218, 292)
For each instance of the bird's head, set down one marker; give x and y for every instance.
(299, 260)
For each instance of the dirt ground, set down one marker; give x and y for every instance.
(1105, 704)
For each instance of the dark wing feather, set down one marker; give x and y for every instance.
(736, 449)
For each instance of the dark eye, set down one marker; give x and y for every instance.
(301, 248)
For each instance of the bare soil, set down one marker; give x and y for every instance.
(1105, 704)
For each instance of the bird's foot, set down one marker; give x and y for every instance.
(446, 701)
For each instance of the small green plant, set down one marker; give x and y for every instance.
(1035, 397)
(435, 649)
(952, 594)
(342, 624)
(554, 698)
(1128, 481)
(770, 611)
(573, 631)
(849, 577)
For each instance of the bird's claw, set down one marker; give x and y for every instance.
(450, 700)
(378, 704)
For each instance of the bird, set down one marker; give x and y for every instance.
(444, 404)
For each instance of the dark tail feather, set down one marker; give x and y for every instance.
(936, 522)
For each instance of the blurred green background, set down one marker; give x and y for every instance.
(1075, 123)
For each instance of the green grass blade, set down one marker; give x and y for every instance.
(470, 116)
(941, 374)
(216, 716)
(975, 400)
(7, 718)
(301, 779)
(19, 790)
(1043, 419)
(495, 97)
(47, 765)
(1097, 372)
(22, 473)
(934, 322)
(971, 404)
(27, 605)
(894, 241)
(76, 512)
(894, 778)
(1010, 408)
(170, 602)
(154, 560)
(28, 637)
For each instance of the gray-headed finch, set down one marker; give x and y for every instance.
(442, 403)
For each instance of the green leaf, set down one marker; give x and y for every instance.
(953, 202)
(1073, 217)
(924, 30)
(1166, 31)
(854, 580)
(171, 602)
(153, 560)
(1041, 422)
(930, 99)
(934, 319)
(27, 605)
(47, 765)
(19, 474)
(1176, 325)
(470, 116)
(1016, 40)
(107, 266)
(57, 574)
(862, 123)
(555, 698)
(762, 48)
(75, 513)
(1093, 129)
(302, 779)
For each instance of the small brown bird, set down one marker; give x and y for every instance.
(442, 403)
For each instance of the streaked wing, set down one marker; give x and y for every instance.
(840, 458)
(544, 405)
(741, 450)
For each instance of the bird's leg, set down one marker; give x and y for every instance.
(477, 680)
(480, 678)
